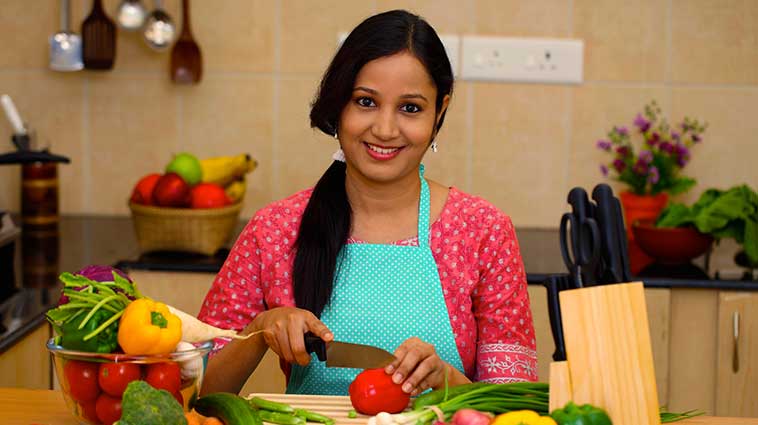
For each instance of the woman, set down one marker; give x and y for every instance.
(356, 259)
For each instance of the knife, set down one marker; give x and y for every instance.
(346, 354)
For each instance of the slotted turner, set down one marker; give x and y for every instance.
(98, 39)
(186, 59)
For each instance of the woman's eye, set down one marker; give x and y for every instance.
(411, 108)
(365, 102)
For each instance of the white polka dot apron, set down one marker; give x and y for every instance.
(383, 294)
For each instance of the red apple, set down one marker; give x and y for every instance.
(209, 195)
(143, 190)
(171, 191)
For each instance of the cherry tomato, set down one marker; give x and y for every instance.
(108, 409)
(88, 411)
(164, 376)
(82, 380)
(373, 391)
(114, 377)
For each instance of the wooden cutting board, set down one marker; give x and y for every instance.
(335, 407)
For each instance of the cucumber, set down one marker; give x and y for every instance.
(230, 408)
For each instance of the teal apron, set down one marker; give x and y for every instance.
(383, 295)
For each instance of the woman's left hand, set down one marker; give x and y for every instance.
(418, 367)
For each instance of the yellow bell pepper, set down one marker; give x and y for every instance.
(148, 327)
(522, 417)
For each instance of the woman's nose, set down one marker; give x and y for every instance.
(385, 126)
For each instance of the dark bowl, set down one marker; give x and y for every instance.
(670, 245)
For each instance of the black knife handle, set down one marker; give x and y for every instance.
(554, 284)
(314, 344)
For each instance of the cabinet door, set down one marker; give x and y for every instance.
(737, 370)
(185, 291)
(27, 364)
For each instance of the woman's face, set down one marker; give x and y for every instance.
(387, 125)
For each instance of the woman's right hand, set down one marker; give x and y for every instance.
(283, 329)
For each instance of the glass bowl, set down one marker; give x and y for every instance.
(92, 383)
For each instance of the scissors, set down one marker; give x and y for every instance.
(582, 256)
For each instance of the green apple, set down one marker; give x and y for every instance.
(187, 166)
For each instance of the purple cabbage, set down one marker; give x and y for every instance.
(100, 273)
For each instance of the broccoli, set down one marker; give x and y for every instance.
(144, 405)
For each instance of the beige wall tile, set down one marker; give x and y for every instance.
(303, 155)
(446, 16)
(727, 155)
(450, 164)
(523, 18)
(132, 132)
(228, 116)
(624, 40)
(309, 31)
(52, 105)
(235, 35)
(25, 28)
(519, 150)
(596, 109)
(714, 42)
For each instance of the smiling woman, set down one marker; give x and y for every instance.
(375, 253)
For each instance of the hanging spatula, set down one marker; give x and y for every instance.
(98, 39)
(186, 59)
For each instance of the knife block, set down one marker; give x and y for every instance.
(609, 358)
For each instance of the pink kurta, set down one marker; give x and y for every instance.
(480, 267)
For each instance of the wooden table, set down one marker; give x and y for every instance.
(44, 407)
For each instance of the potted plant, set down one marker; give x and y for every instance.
(651, 171)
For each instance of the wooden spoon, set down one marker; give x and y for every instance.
(186, 59)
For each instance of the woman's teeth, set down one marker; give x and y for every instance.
(382, 150)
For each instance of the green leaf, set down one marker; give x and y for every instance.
(675, 215)
(680, 185)
(751, 240)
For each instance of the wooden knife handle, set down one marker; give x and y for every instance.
(314, 344)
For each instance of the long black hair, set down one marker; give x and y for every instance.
(326, 221)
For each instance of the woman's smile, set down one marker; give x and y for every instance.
(382, 153)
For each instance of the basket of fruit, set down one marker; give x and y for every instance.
(193, 207)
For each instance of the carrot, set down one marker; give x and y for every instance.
(194, 418)
(212, 421)
(193, 330)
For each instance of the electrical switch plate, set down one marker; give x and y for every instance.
(530, 60)
(451, 42)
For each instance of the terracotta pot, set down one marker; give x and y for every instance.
(640, 207)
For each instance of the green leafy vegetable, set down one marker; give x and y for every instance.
(144, 405)
(724, 214)
(75, 338)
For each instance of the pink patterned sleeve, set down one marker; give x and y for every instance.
(236, 297)
(506, 349)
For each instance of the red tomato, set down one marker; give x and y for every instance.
(373, 391)
(88, 411)
(82, 380)
(208, 195)
(108, 409)
(164, 376)
(114, 377)
(178, 396)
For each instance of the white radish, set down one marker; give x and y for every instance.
(191, 368)
(194, 330)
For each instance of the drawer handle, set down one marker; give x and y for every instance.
(735, 355)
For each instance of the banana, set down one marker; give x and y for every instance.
(236, 190)
(223, 170)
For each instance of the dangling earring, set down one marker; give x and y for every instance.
(336, 137)
(434, 146)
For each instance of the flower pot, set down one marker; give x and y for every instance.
(640, 207)
(670, 245)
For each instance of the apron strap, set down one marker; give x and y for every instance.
(423, 211)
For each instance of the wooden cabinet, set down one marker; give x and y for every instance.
(737, 355)
(27, 364)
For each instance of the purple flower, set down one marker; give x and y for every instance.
(654, 139)
(604, 145)
(619, 165)
(675, 136)
(604, 170)
(640, 167)
(641, 123)
(667, 147)
(622, 131)
(696, 138)
(653, 175)
(681, 150)
(623, 151)
(646, 156)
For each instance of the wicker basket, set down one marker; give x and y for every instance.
(202, 231)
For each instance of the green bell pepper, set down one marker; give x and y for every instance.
(586, 414)
(105, 341)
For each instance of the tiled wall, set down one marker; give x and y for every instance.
(520, 146)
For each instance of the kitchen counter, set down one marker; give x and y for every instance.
(46, 407)
(88, 240)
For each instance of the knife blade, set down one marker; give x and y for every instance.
(346, 354)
